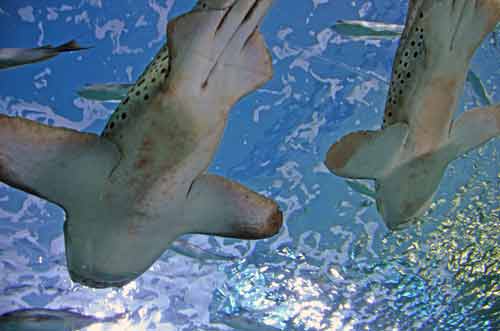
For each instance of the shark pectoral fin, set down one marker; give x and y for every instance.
(367, 154)
(221, 207)
(474, 128)
(51, 162)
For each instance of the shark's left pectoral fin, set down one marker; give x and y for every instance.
(473, 128)
(51, 162)
(225, 208)
(367, 154)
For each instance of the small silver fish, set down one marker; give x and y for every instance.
(367, 30)
(105, 92)
(243, 323)
(361, 188)
(478, 88)
(49, 320)
(14, 57)
(184, 247)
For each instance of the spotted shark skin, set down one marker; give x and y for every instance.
(130, 192)
(408, 156)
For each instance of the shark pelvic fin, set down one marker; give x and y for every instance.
(367, 154)
(53, 163)
(221, 207)
(472, 129)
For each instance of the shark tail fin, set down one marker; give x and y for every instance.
(51, 162)
(367, 154)
(70, 46)
(472, 129)
(221, 207)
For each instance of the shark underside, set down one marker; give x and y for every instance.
(419, 137)
(131, 192)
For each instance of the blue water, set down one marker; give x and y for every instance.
(334, 265)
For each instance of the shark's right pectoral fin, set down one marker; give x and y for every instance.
(367, 154)
(474, 128)
(221, 207)
(53, 163)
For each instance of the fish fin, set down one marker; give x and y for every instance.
(70, 46)
(225, 208)
(367, 154)
(474, 128)
(53, 163)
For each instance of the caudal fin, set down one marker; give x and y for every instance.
(70, 47)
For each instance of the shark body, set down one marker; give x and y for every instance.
(419, 137)
(130, 192)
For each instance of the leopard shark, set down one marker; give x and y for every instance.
(420, 136)
(130, 192)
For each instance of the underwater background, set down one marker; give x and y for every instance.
(334, 265)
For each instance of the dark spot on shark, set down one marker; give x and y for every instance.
(124, 116)
(421, 15)
(415, 54)
(408, 75)
(141, 163)
(111, 125)
(389, 114)
(164, 70)
(146, 97)
(138, 93)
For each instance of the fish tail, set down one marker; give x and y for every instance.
(70, 47)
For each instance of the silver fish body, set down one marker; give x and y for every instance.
(48, 320)
(15, 57)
